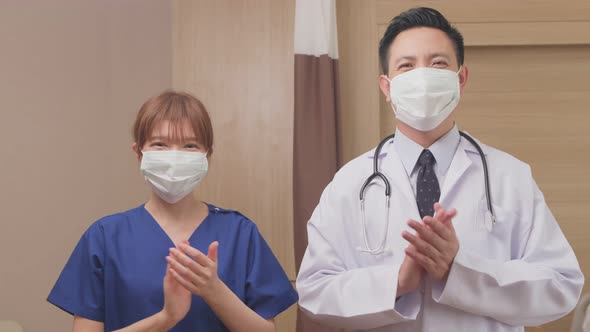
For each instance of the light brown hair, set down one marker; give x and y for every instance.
(176, 108)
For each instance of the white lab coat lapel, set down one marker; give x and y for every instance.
(394, 170)
(459, 165)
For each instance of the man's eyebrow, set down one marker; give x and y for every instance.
(431, 56)
(406, 57)
(440, 54)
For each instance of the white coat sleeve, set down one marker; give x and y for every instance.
(541, 285)
(337, 295)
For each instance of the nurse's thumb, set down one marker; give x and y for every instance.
(212, 254)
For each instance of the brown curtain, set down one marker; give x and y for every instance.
(317, 136)
(316, 150)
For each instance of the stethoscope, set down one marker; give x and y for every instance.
(489, 219)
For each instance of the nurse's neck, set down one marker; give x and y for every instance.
(186, 211)
(426, 138)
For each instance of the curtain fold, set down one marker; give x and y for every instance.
(317, 134)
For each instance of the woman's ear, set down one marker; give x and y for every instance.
(135, 149)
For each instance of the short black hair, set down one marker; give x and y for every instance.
(418, 17)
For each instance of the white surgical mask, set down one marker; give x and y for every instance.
(174, 174)
(424, 97)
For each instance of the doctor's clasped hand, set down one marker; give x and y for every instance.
(435, 247)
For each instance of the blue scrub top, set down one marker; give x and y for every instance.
(116, 271)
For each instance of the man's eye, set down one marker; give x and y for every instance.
(405, 67)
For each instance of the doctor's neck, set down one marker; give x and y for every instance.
(426, 138)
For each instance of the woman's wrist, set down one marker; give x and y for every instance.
(165, 321)
(216, 291)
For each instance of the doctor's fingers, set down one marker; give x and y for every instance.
(429, 264)
(443, 215)
(427, 234)
(445, 230)
(196, 268)
(422, 246)
(197, 255)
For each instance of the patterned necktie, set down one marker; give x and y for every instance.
(427, 189)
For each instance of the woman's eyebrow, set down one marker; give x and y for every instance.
(184, 138)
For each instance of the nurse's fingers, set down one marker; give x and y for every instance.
(196, 255)
(179, 267)
(183, 282)
(185, 276)
(213, 249)
(422, 246)
(189, 263)
(427, 234)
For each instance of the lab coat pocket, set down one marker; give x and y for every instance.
(489, 237)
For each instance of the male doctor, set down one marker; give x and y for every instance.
(421, 266)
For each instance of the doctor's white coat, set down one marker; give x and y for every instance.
(522, 273)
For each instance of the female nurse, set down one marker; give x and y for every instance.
(174, 263)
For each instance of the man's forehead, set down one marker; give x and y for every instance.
(422, 38)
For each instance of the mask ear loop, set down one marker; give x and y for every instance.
(390, 99)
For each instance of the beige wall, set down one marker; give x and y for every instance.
(72, 75)
(243, 72)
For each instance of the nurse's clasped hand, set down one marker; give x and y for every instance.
(435, 244)
(194, 270)
(177, 300)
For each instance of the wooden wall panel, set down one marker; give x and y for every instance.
(358, 41)
(521, 33)
(237, 56)
(499, 11)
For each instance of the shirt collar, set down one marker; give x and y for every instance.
(443, 150)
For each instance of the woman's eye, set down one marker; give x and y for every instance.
(158, 144)
(191, 146)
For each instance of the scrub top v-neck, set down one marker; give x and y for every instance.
(116, 271)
